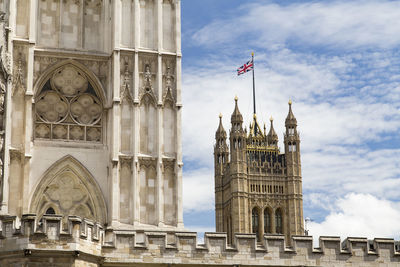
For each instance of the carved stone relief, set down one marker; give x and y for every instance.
(99, 67)
(126, 81)
(148, 77)
(169, 80)
(67, 108)
(19, 74)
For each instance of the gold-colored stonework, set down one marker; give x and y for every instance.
(258, 188)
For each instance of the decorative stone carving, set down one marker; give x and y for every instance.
(147, 81)
(125, 88)
(69, 189)
(67, 107)
(69, 81)
(42, 63)
(86, 109)
(52, 107)
(126, 161)
(168, 81)
(19, 78)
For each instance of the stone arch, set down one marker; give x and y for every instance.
(267, 220)
(69, 104)
(279, 220)
(70, 189)
(92, 78)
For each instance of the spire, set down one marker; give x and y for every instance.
(220, 131)
(290, 119)
(272, 136)
(236, 115)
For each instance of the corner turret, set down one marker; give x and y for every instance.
(236, 118)
(272, 137)
(221, 158)
(293, 169)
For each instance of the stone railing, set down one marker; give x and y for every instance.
(108, 247)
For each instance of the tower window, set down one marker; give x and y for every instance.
(50, 211)
(254, 221)
(267, 221)
(278, 221)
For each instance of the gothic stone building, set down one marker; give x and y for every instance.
(257, 189)
(90, 150)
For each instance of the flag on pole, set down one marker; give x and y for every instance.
(246, 67)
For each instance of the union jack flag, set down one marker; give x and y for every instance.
(245, 68)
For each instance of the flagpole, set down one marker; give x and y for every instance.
(254, 86)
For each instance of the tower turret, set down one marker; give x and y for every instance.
(237, 136)
(221, 156)
(293, 169)
(292, 139)
(272, 137)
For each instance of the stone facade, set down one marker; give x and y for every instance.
(257, 188)
(92, 124)
(90, 148)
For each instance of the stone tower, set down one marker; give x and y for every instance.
(257, 188)
(91, 111)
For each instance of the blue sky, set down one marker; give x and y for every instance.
(339, 61)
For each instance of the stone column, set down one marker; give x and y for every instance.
(159, 182)
(136, 130)
(115, 135)
(178, 144)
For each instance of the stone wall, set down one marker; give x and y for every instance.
(80, 242)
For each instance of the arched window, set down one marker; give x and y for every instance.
(254, 221)
(278, 221)
(267, 221)
(67, 107)
(50, 211)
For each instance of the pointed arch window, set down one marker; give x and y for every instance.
(278, 221)
(254, 221)
(68, 108)
(267, 221)
(50, 211)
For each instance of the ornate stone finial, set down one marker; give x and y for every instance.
(127, 75)
(290, 101)
(220, 115)
(147, 75)
(168, 78)
(236, 98)
(271, 119)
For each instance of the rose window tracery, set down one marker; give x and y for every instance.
(68, 108)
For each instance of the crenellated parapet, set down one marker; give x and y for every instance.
(28, 238)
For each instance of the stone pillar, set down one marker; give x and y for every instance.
(159, 183)
(136, 129)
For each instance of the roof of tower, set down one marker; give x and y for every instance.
(290, 119)
(255, 129)
(220, 131)
(236, 115)
(272, 134)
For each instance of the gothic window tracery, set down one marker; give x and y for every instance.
(68, 108)
(254, 221)
(267, 221)
(278, 221)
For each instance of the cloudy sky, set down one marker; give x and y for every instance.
(339, 61)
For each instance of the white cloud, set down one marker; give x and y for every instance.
(336, 113)
(346, 102)
(198, 190)
(340, 24)
(360, 215)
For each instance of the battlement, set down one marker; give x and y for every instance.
(28, 236)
